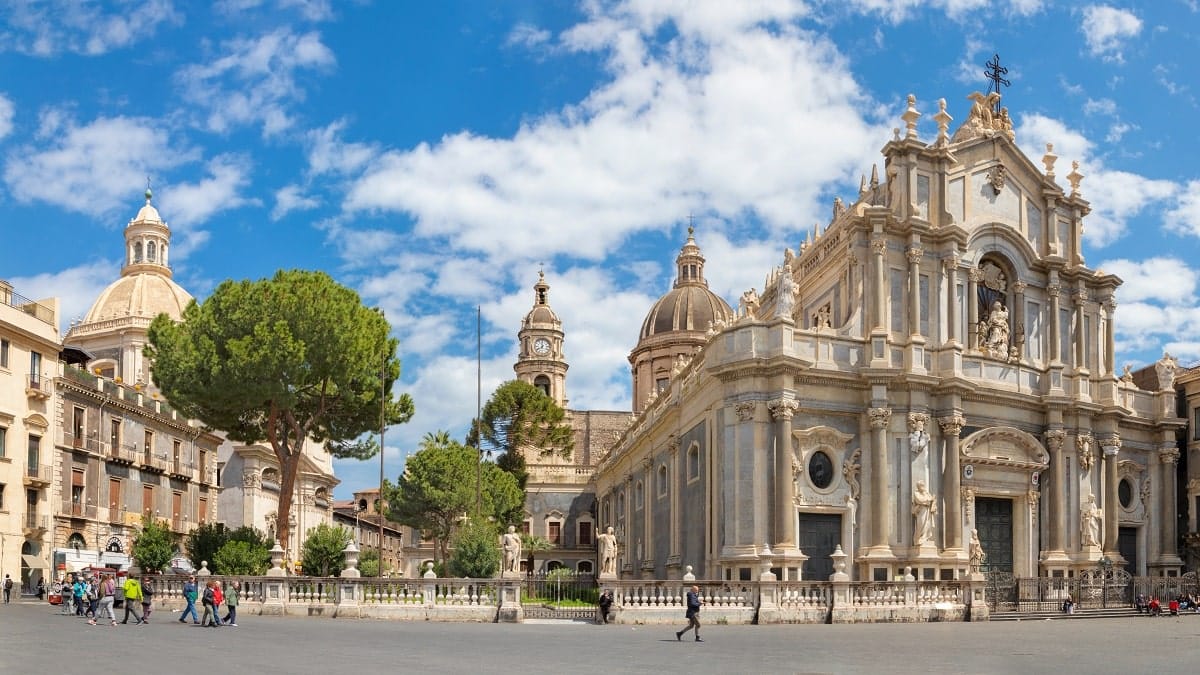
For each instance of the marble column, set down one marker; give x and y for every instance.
(1110, 308)
(915, 253)
(1054, 291)
(951, 267)
(880, 515)
(1112, 508)
(879, 247)
(1168, 456)
(1080, 336)
(952, 480)
(974, 276)
(1016, 312)
(782, 410)
(1058, 489)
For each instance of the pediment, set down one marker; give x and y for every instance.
(1005, 446)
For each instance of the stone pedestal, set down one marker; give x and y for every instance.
(510, 610)
(978, 609)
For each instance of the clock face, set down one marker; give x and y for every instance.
(541, 346)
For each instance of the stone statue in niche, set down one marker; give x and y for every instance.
(850, 471)
(749, 304)
(1091, 518)
(785, 293)
(823, 317)
(994, 332)
(1165, 369)
(1084, 445)
(923, 510)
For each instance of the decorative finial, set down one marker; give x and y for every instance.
(1048, 160)
(1075, 178)
(910, 118)
(943, 120)
(149, 193)
(691, 224)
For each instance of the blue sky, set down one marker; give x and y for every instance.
(433, 155)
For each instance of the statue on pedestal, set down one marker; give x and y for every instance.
(976, 552)
(511, 545)
(1091, 518)
(608, 552)
(923, 508)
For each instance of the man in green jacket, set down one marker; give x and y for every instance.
(133, 599)
(231, 601)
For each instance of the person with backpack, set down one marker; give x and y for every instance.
(133, 599)
(147, 597)
(189, 595)
(93, 599)
(8, 584)
(207, 619)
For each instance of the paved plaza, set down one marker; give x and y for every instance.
(36, 640)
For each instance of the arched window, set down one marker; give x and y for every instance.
(542, 382)
(662, 481)
(553, 565)
(137, 252)
(638, 499)
(151, 251)
(584, 567)
(76, 541)
(693, 462)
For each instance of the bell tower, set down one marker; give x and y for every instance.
(540, 361)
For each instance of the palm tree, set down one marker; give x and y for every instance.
(532, 544)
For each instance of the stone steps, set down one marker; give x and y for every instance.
(1090, 613)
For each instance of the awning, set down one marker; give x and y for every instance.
(74, 355)
(33, 561)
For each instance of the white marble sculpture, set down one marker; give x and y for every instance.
(923, 509)
(1091, 518)
(511, 545)
(608, 552)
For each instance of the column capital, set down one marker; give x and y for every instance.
(880, 417)
(1080, 297)
(1110, 304)
(783, 408)
(1111, 445)
(975, 274)
(1019, 286)
(1055, 439)
(952, 425)
(917, 421)
(1054, 290)
(673, 445)
(879, 245)
(915, 253)
(950, 262)
(745, 410)
(1168, 455)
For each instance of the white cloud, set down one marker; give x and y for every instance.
(76, 288)
(45, 29)
(7, 112)
(1144, 280)
(1107, 29)
(1117, 131)
(95, 168)
(1115, 196)
(255, 80)
(187, 205)
(328, 153)
(669, 133)
(292, 198)
(312, 10)
(527, 35)
(1184, 217)
(897, 11)
(1103, 106)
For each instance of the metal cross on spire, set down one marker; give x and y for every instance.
(995, 74)
(691, 223)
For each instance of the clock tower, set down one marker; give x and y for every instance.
(540, 361)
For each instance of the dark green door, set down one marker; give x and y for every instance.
(994, 520)
(1127, 545)
(820, 533)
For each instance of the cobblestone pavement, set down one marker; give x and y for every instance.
(37, 640)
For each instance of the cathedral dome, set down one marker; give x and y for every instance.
(685, 308)
(146, 294)
(689, 305)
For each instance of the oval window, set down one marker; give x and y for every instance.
(1125, 492)
(820, 470)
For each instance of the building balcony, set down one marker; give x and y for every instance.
(39, 386)
(124, 454)
(152, 461)
(183, 469)
(35, 524)
(179, 524)
(117, 515)
(209, 475)
(77, 510)
(39, 475)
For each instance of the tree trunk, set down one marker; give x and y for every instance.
(288, 467)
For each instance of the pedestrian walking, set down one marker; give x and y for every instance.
(8, 584)
(231, 601)
(218, 600)
(189, 596)
(108, 595)
(206, 619)
(78, 591)
(93, 599)
(147, 597)
(693, 614)
(133, 599)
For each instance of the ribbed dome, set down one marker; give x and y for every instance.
(541, 314)
(689, 305)
(146, 294)
(685, 308)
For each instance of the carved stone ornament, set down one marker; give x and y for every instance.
(918, 438)
(1055, 439)
(952, 425)
(783, 408)
(995, 178)
(993, 277)
(1083, 445)
(850, 469)
(251, 479)
(673, 445)
(1054, 290)
(1169, 455)
(1110, 445)
(879, 245)
(915, 253)
(1165, 369)
(880, 417)
(745, 410)
(968, 500)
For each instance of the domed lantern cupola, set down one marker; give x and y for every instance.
(541, 361)
(147, 242)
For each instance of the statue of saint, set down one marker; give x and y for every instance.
(608, 551)
(997, 331)
(785, 293)
(918, 438)
(1091, 518)
(923, 508)
(750, 303)
(976, 551)
(511, 544)
(1165, 369)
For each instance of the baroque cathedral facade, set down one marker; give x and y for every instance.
(931, 374)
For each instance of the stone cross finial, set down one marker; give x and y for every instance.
(910, 118)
